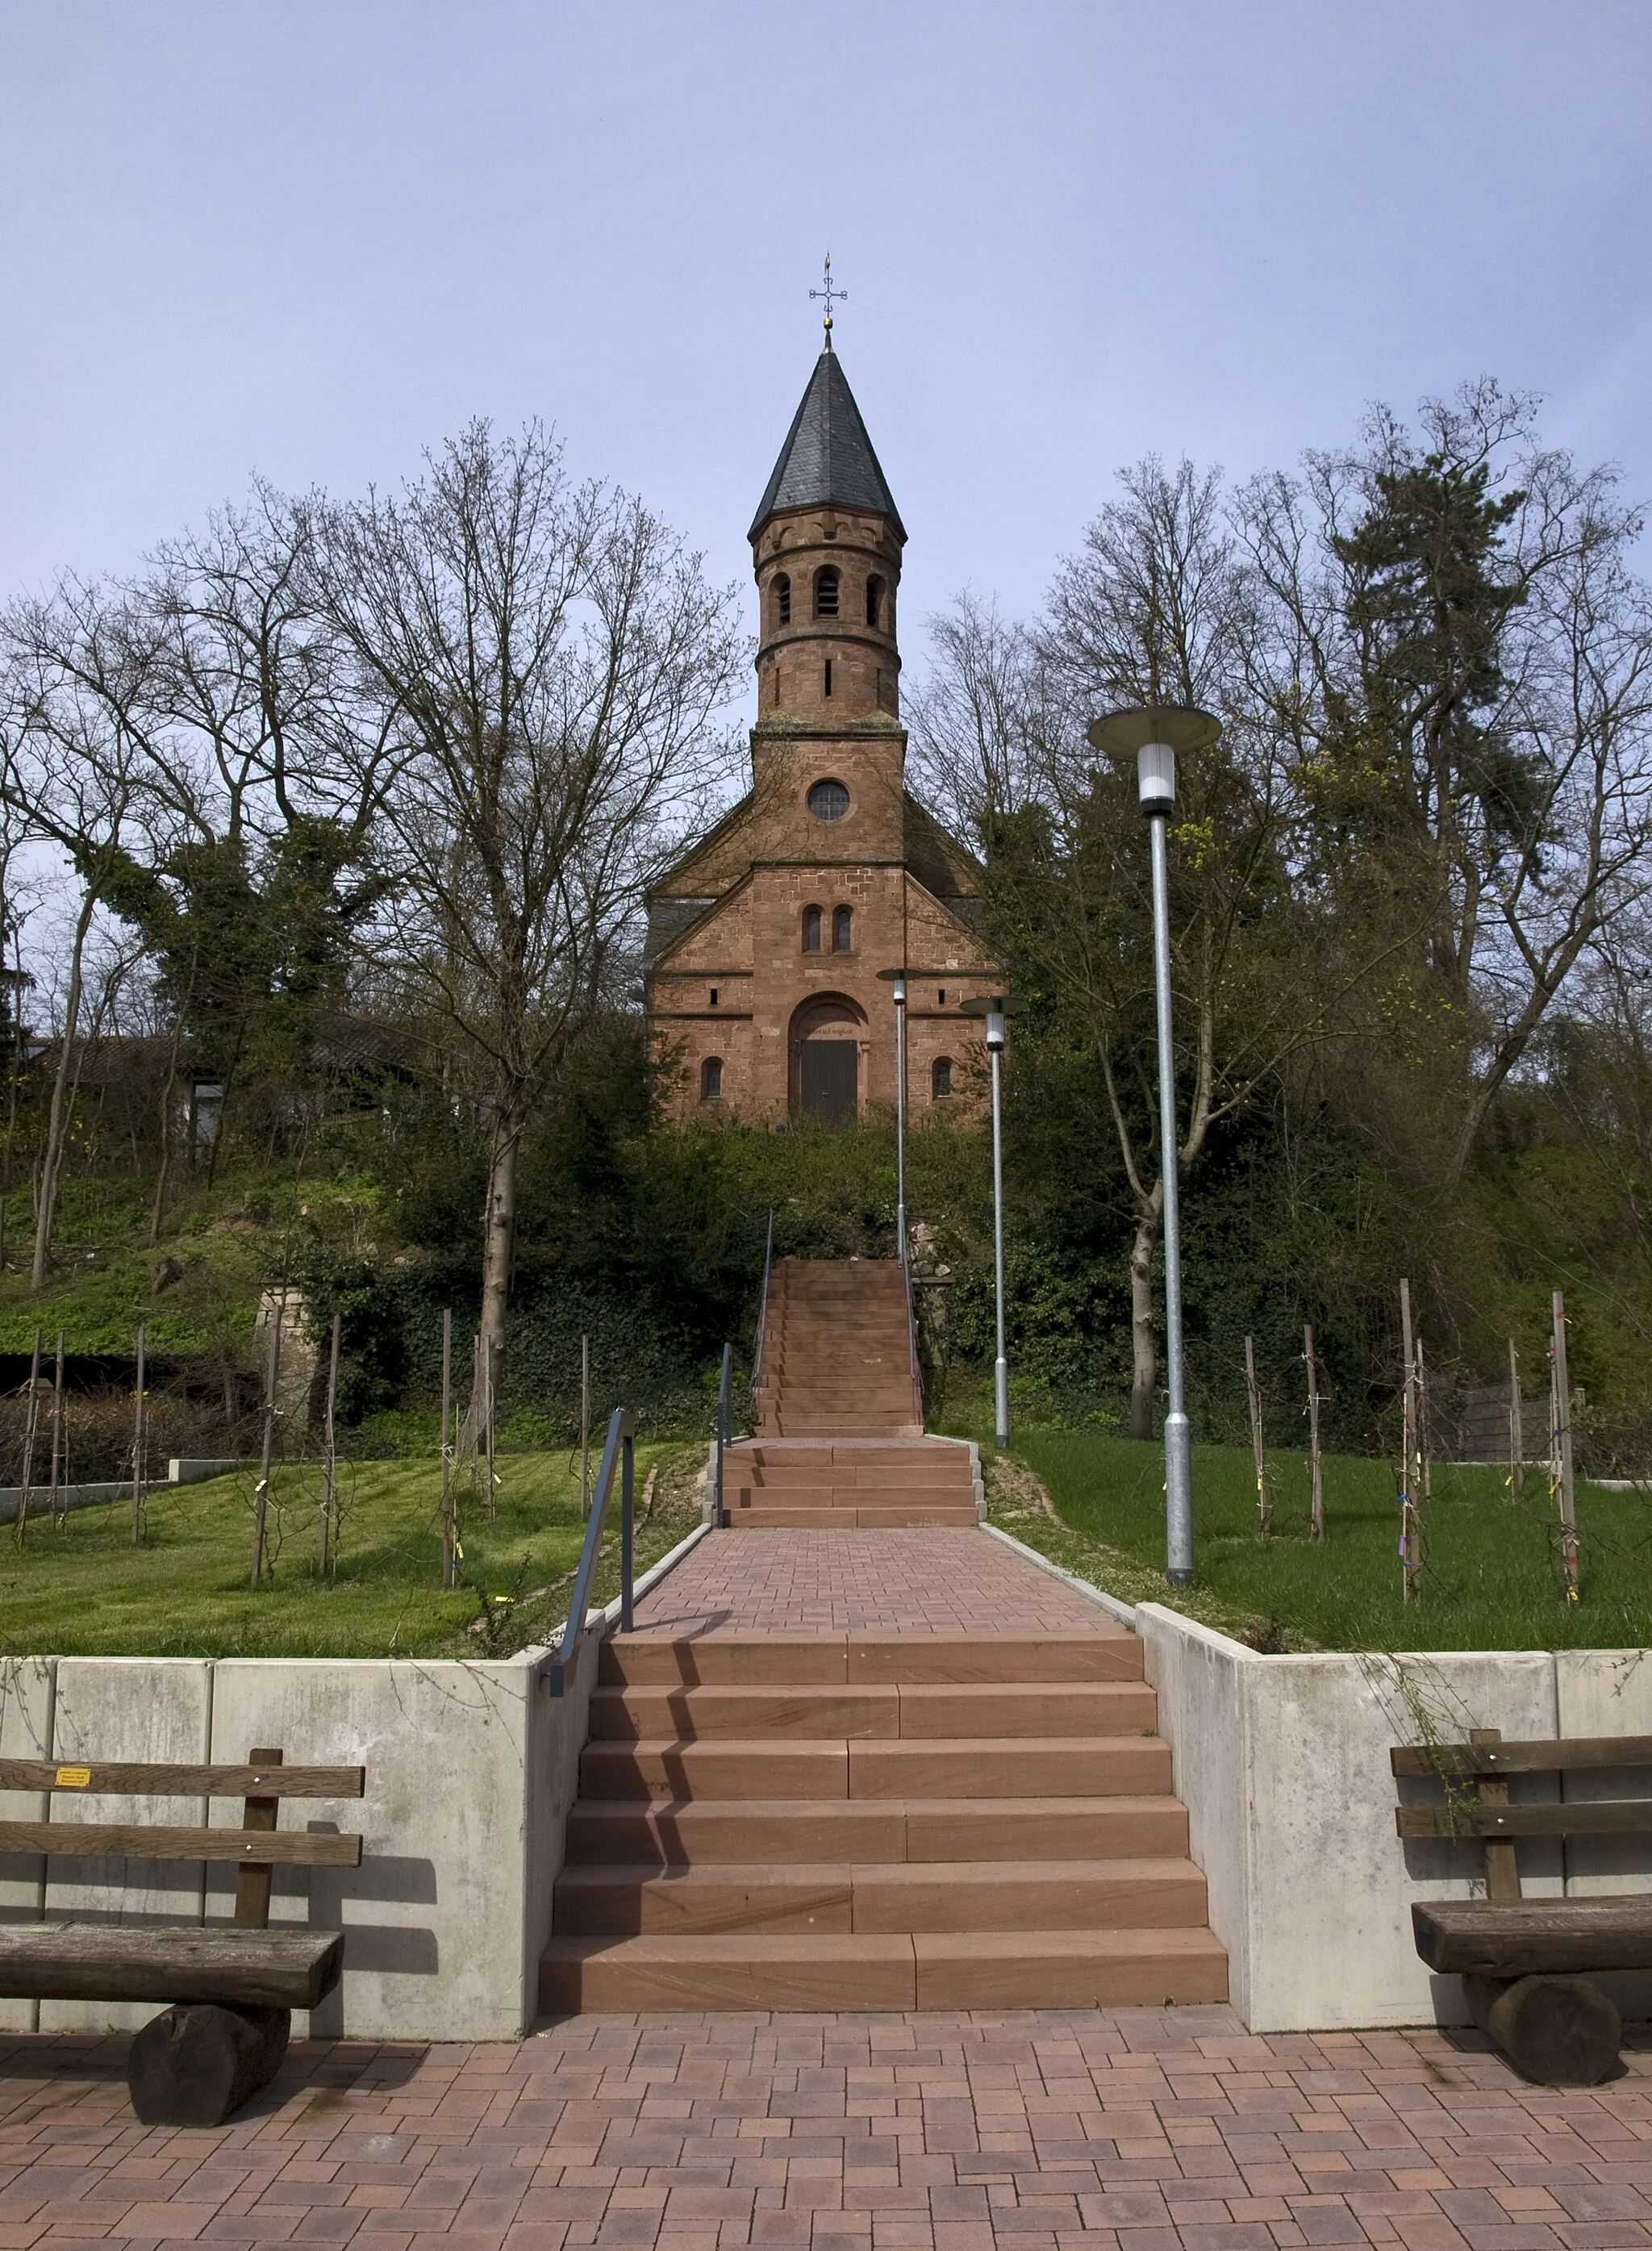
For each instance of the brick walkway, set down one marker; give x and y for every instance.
(935, 1581)
(1131, 2130)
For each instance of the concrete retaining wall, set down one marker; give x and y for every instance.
(471, 1770)
(1282, 1763)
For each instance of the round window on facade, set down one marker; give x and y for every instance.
(828, 801)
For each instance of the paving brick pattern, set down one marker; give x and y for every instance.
(1127, 2131)
(935, 1580)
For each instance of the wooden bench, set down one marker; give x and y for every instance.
(233, 1986)
(1522, 1961)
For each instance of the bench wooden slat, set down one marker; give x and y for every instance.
(1607, 1817)
(1459, 1762)
(1521, 1938)
(117, 1840)
(289, 1969)
(139, 1781)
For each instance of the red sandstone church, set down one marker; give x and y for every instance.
(766, 941)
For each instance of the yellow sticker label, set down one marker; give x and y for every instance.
(73, 1777)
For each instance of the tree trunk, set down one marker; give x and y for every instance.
(1143, 1349)
(499, 1244)
(162, 1175)
(57, 1120)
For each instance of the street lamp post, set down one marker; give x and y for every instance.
(897, 979)
(1155, 735)
(994, 1011)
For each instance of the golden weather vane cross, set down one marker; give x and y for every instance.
(832, 294)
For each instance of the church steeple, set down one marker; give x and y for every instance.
(828, 459)
(826, 543)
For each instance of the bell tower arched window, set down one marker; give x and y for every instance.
(811, 930)
(874, 601)
(841, 921)
(711, 1079)
(825, 591)
(782, 600)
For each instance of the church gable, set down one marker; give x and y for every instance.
(718, 938)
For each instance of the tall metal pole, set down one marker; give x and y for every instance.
(899, 1115)
(1179, 1465)
(1000, 1365)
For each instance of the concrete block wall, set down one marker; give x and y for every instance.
(1283, 1762)
(470, 1768)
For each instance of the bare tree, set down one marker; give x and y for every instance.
(76, 668)
(544, 659)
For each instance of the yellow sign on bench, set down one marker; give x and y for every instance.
(73, 1777)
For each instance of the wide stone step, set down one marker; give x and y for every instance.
(771, 1516)
(649, 1660)
(860, 1970)
(899, 1895)
(674, 1832)
(1061, 1766)
(942, 1711)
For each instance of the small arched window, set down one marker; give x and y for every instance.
(811, 930)
(841, 922)
(711, 1079)
(783, 600)
(941, 1079)
(873, 602)
(825, 591)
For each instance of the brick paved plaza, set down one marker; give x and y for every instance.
(1143, 2129)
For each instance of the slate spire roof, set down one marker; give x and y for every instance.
(827, 458)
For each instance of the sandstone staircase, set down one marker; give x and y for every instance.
(867, 1822)
(837, 1354)
(847, 1484)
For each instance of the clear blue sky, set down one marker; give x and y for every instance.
(311, 236)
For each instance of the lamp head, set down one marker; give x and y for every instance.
(897, 979)
(993, 1010)
(1153, 734)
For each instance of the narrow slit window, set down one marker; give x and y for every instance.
(811, 930)
(840, 923)
(828, 678)
(783, 600)
(714, 996)
(825, 592)
(941, 1079)
(874, 601)
(711, 1079)
(940, 998)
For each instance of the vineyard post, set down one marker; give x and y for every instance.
(1566, 1492)
(30, 1424)
(1315, 1470)
(1264, 1511)
(138, 1437)
(261, 1499)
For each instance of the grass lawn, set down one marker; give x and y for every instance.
(84, 1589)
(1492, 1577)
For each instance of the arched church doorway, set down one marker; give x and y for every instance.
(826, 1033)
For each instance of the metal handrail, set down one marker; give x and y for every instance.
(618, 1449)
(911, 1328)
(762, 1327)
(725, 1432)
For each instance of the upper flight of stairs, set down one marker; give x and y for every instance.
(894, 1822)
(837, 1356)
(818, 1485)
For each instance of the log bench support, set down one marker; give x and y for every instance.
(232, 1987)
(1523, 1962)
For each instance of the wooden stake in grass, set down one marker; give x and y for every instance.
(261, 1498)
(30, 1424)
(450, 1534)
(487, 1377)
(1563, 1491)
(57, 1479)
(1410, 1516)
(329, 1465)
(1516, 1430)
(139, 1438)
(1264, 1511)
(584, 1428)
(1425, 1457)
(1315, 1468)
